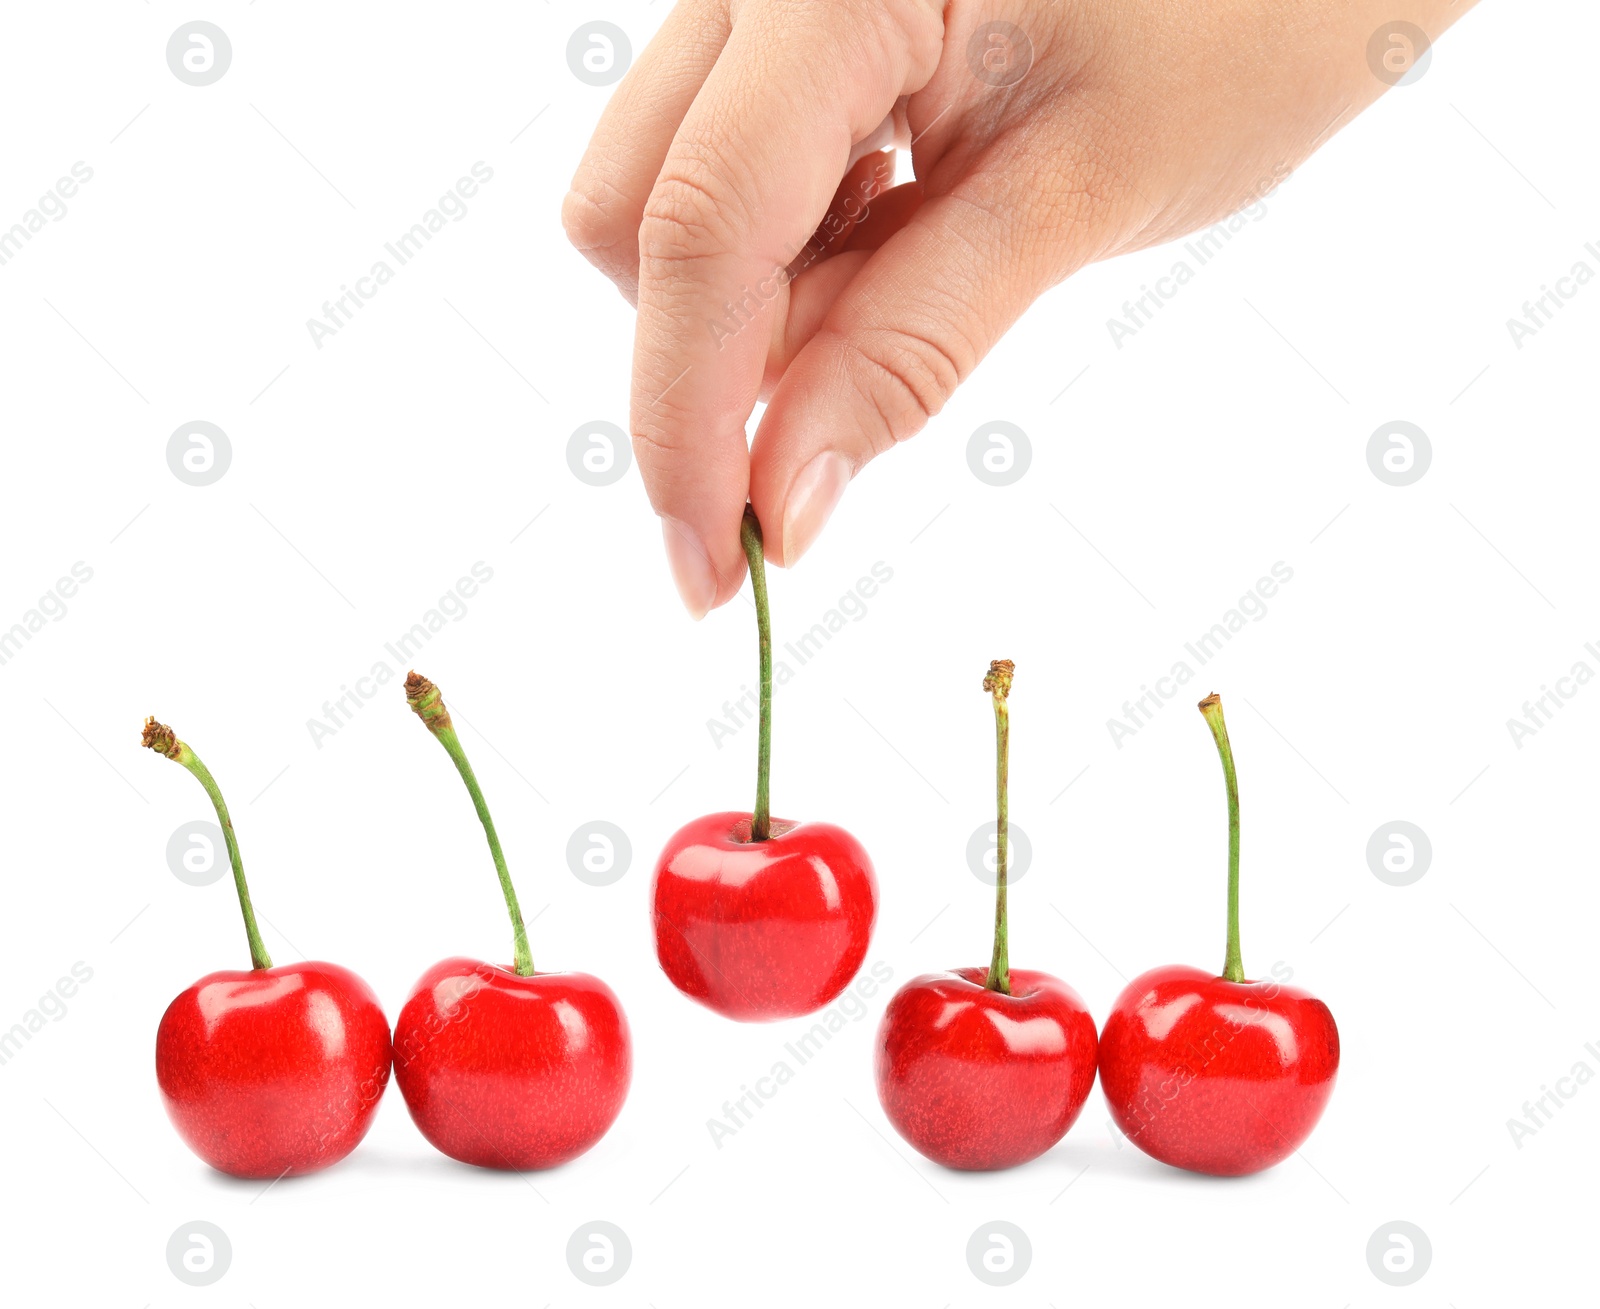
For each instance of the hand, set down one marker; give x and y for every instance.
(735, 191)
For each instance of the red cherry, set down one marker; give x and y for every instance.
(755, 917)
(507, 1068)
(759, 930)
(512, 1072)
(975, 1078)
(1216, 1076)
(274, 1071)
(986, 1068)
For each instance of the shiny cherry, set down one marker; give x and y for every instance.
(980, 1079)
(1218, 1074)
(986, 1068)
(768, 929)
(506, 1071)
(274, 1071)
(507, 1067)
(755, 917)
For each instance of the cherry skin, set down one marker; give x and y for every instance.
(1215, 1076)
(513, 1072)
(978, 1079)
(271, 1072)
(762, 930)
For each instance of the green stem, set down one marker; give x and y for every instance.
(426, 702)
(750, 536)
(998, 684)
(163, 740)
(1211, 707)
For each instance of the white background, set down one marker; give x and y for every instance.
(431, 433)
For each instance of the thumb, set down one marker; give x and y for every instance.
(907, 329)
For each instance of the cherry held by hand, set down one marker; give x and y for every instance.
(274, 1071)
(507, 1067)
(1218, 1074)
(756, 917)
(986, 1069)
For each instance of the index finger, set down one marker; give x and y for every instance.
(749, 175)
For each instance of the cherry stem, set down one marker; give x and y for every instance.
(1211, 707)
(998, 684)
(428, 704)
(163, 740)
(750, 537)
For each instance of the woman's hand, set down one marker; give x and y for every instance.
(735, 192)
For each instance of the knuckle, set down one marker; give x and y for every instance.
(905, 377)
(596, 230)
(585, 221)
(688, 217)
(654, 449)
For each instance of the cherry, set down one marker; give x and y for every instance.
(757, 917)
(507, 1067)
(1218, 1074)
(986, 1069)
(272, 1071)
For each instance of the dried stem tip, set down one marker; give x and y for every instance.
(426, 702)
(1212, 699)
(998, 679)
(160, 738)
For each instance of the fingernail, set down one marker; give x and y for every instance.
(691, 568)
(812, 500)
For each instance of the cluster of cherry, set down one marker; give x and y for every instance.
(279, 1070)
